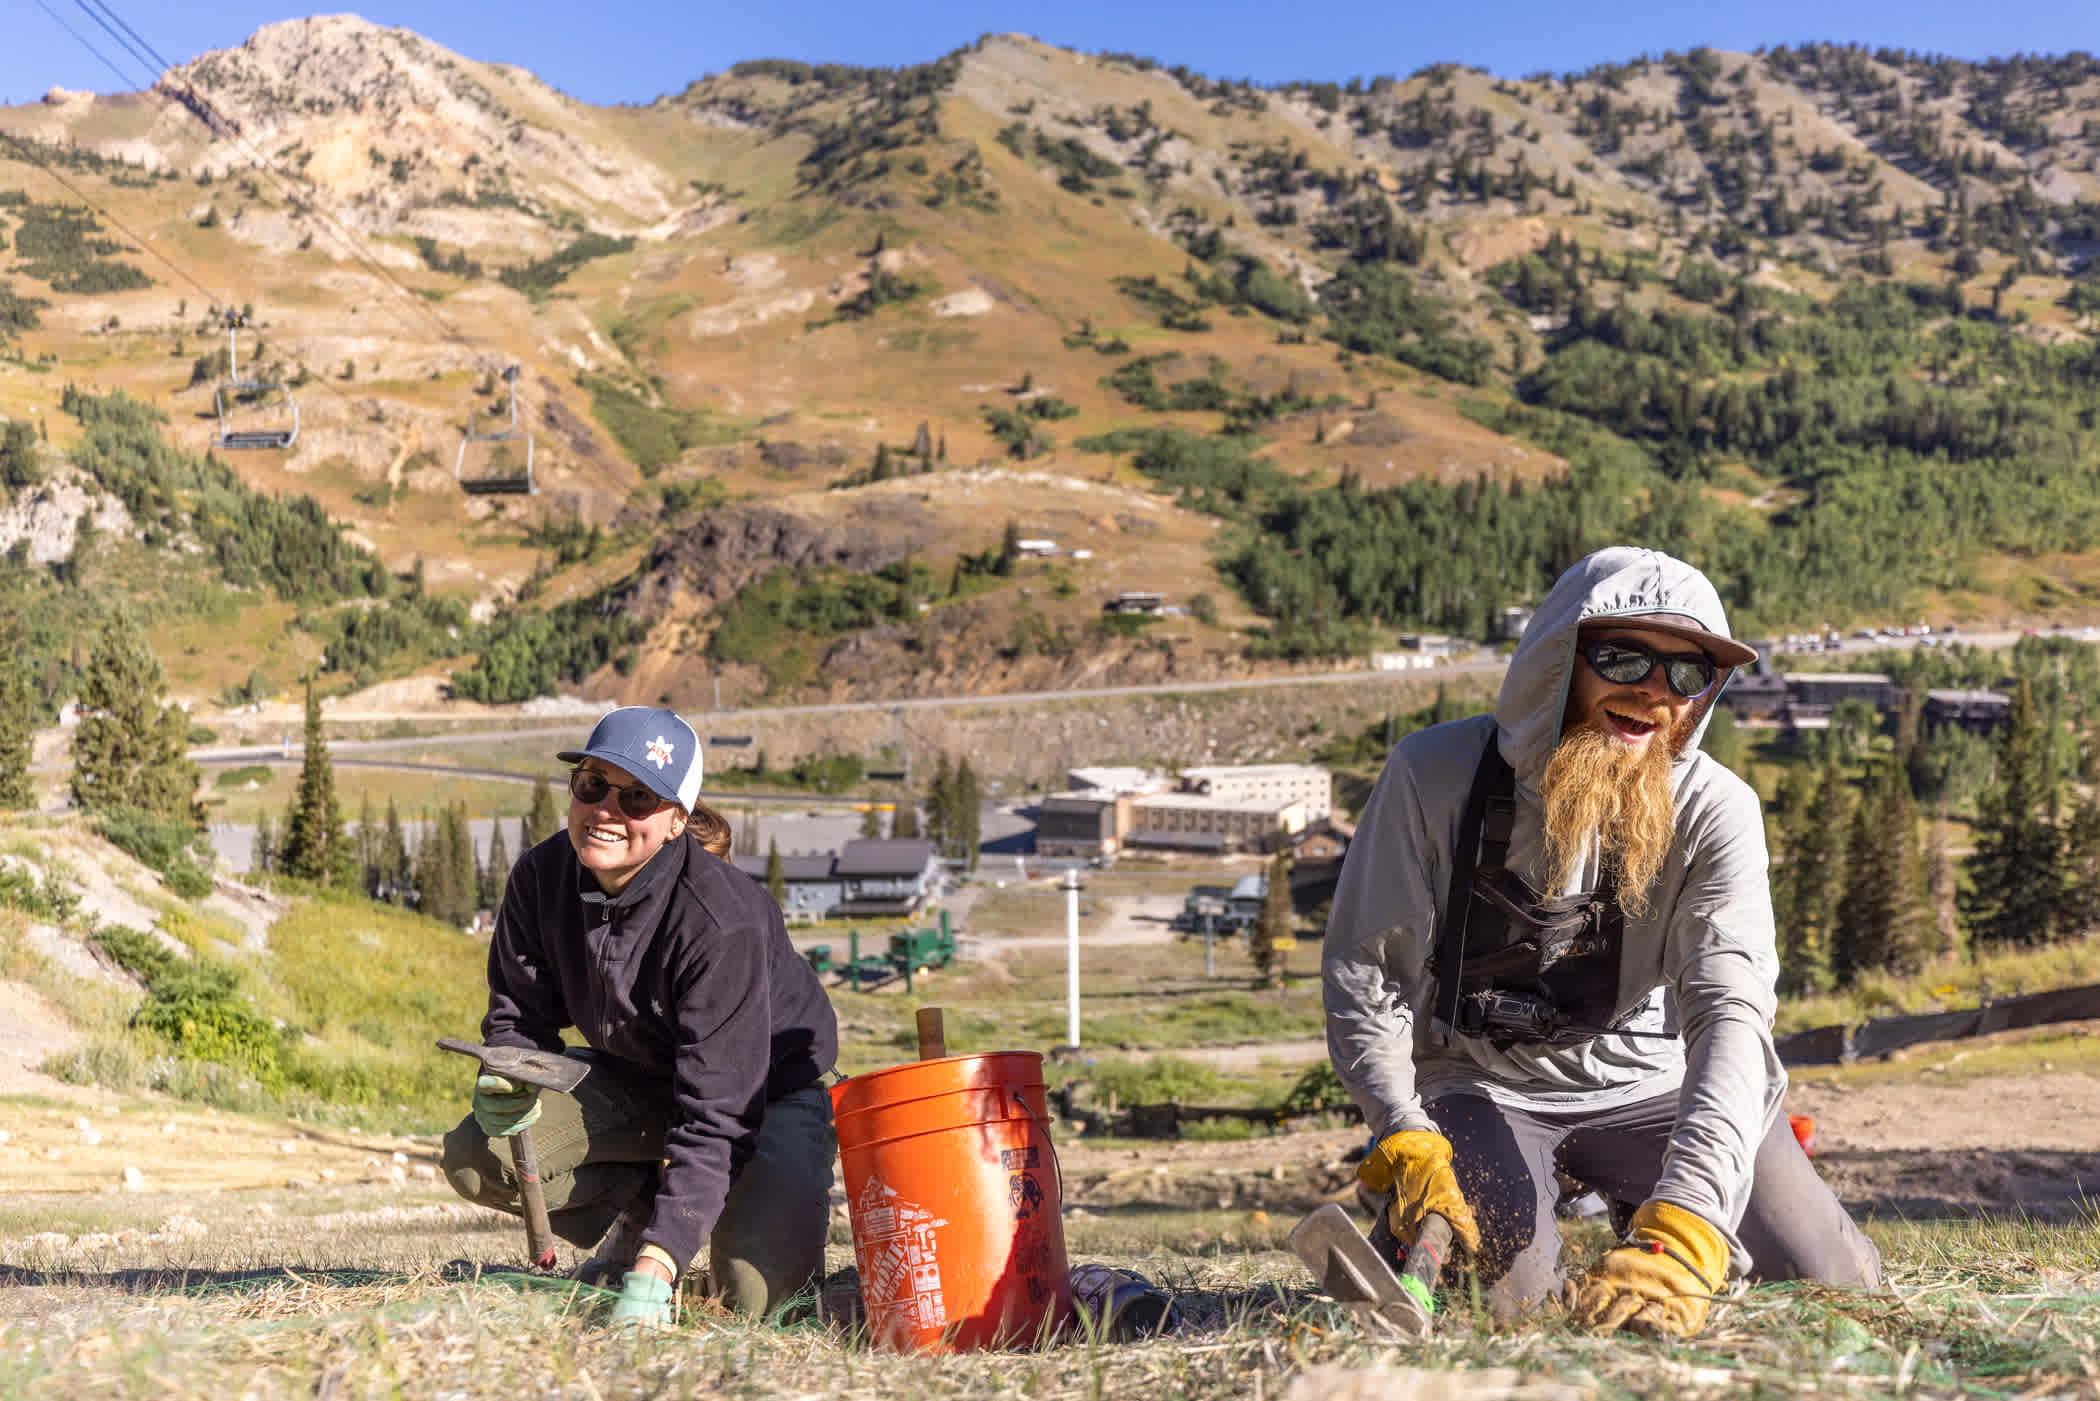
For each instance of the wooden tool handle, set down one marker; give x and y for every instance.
(1425, 1258)
(539, 1234)
(933, 1040)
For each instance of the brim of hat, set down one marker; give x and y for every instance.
(649, 781)
(1725, 651)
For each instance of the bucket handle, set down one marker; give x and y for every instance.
(1055, 1165)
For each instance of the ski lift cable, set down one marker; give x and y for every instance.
(29, 151)
(201, 108)
(82, 39)
(128, 45)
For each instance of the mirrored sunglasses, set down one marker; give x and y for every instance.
(589, 786)
(1627, 663)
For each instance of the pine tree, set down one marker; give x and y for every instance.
(368, 839)
(2080, 911)
(265, 858)
(966, 821)
(904, 822)
(776, 874)
(747, 834)
(540, 821)
(466, 874)
(870, 822)
(1814, 809)
(18, 705)
(395, 872)
(2016, 873)
(129, 750)
(940, 806)
(496, 878)
(315, 847)
(1275, 921)
(1881, 923)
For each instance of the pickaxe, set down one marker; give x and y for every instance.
(548, 1070)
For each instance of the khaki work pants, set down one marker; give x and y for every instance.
(602, 1147)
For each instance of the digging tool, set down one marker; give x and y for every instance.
(547, 1070)
(1350, 1269)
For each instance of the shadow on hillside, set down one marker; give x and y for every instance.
(257, 1281)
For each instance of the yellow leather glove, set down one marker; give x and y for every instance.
(1415, 1166)
(1659, 1282)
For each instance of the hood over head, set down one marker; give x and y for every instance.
(1620, 583)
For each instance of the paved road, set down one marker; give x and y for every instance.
(718, 721)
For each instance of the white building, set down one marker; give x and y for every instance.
(1274, 784)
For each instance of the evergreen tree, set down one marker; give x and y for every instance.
(776, 874)
(2080, 912)
(940, 806)
(2016, 874)
(395, 872)
(541, 822)
(265, 858)
(315, 846)
(747, 834)
(496, 877)
(904, 822)
(18, 706)
(368, 839)
(129, 750)
(466, 876)
(966, 821)
(1274, 922)
(870, 821)
(1882, 923)
(1814, 808)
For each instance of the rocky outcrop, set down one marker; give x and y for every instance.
(731, 547)
(45, 519)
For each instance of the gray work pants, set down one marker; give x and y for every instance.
(1793, 1228)
(601, 1148)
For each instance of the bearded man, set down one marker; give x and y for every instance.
(1552, 950)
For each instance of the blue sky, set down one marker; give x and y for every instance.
(615, 51)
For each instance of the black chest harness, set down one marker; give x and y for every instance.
(1509, 966)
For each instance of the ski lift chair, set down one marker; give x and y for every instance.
(237, 392)
(497, 477)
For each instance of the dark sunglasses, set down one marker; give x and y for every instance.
(590, 787)
(1627, 663)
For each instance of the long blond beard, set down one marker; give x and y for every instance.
(1595, 786)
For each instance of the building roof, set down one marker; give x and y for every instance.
(1250, 887)
(812, 867)
(1093, 800)
(878, 856)
(1203, 802)
(1114, 779)
(1216, 771)
(1990, 699)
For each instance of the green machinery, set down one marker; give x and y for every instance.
(910, 951)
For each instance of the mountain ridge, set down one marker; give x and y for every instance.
(738, 297)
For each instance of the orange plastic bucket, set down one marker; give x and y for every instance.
(1804, 1132)
(953, 1187)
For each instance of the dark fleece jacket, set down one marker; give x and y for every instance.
(688, 974)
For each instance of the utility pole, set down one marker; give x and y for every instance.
(1072, 957)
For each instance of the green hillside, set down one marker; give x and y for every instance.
(1340, 358)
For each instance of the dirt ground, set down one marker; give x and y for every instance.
(1905, 1143)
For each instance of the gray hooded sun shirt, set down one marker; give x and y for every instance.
(1701, 961)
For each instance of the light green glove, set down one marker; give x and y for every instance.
(502, 1106)
(644, 1303)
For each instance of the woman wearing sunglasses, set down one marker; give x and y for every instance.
(702, 1123)
(1551, 951)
